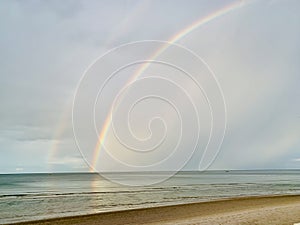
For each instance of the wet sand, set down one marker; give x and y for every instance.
(245, 210)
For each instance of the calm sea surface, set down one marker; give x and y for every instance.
(26, 197)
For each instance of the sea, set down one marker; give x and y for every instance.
(27, 197)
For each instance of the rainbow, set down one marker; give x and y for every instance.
(203, 20)
(60, 129)
(62, 125)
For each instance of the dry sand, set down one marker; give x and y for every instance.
(273, 210)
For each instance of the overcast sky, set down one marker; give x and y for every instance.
(45, 47)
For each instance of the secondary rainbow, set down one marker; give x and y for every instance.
(203, 20)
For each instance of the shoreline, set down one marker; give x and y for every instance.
(275, 209)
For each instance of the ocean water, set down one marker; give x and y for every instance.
(25, 197)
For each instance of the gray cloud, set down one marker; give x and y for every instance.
(46, 46)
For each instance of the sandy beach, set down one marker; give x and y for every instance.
(245, 210)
